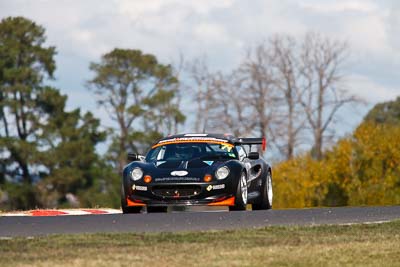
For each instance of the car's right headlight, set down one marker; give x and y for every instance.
(136, 174)
(222, 173)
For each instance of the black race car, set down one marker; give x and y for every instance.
(197, 169)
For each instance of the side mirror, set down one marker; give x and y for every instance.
(132, 157)
(253, 155)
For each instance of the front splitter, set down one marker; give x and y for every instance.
(222, 201)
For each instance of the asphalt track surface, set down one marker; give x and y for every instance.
(192, 221)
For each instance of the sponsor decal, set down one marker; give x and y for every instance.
(218, 186)
(208, 162)
(215, 187)
(177, 179)
(139, 188)
(197, 135)
(227, 147)
(179, 173)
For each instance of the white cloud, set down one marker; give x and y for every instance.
(361, 23)
(339, 6)
(211, 33)
(393, 26)
(138, 9)
(371, 91)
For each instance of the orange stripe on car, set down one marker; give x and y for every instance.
(227, 202)
(131, 203)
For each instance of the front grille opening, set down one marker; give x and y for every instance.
(176, 191)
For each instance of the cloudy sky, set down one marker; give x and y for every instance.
(83, 30)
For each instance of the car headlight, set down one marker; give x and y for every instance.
(222, 173)
(136, 174)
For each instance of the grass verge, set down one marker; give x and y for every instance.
(361, 245)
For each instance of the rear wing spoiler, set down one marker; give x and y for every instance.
(252, 141)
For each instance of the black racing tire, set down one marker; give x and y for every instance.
(264, 202)
(240, 199)
(124, 207)
(157, 209)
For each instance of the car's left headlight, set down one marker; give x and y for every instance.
(136, 174)
(222, 173)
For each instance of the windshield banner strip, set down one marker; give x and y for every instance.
(194, 139)
(178, 141)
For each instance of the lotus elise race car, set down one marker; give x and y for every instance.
(197, 169)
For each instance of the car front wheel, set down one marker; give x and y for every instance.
(266, 194)
(241, 194)
(124, 207)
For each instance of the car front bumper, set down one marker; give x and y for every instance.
(180, 194)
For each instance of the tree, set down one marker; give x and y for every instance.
(46, 153)
(25, 62)
(67, 153)
(138, 93)
(231, 111)
(220, 101)
(282, 89)
(63, 160)
(359, 170)
(322, 92)
(258, 81)
(387, 112)
(204, 94)
(290, 122)
(259, 97)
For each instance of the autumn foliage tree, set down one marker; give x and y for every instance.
(363, 169)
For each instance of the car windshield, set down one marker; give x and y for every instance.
(191, 151)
